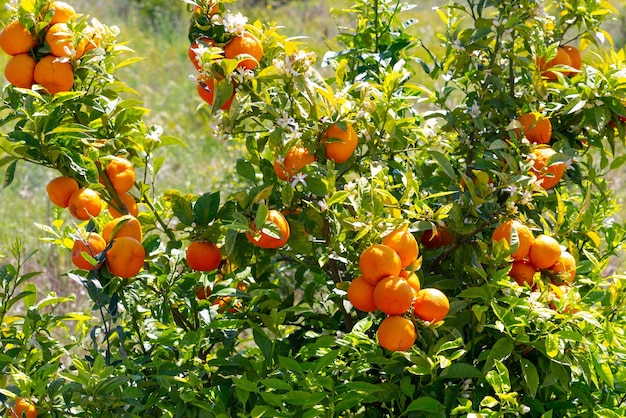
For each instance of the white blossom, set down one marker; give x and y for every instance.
(235, 23)
(474, 111)
(299, 178)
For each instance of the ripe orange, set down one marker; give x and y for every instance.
(537, 128)
(191, 51)
(92, 38)
(404, 243)
(544, 252)
(93, 244)
(121, 174)
(129, 201)
(393, 295)
(379, 261)
(20, 71)
(59, 39)
(247, 44)
(561, 58)
(524, 237)
(23, 408)
(61, 189)
(575, 57)
(296, 159)
(565, 267)
(203, 256)
(124, 226)
(339, 143)
(125, 257)
(63, 12)
(558, 293)
(271, 238)
(361, 295)
(523, 272)
(84, 203)
(431, 305)
(414, 282)
(549, 176)
(206, 91)
(396, 333)
(15, 39)
(54, 75)
(203, 292)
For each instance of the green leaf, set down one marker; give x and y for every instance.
(426, 404)
(444, 164)
(531, 377)
(338, 197)
(244, 384)
(182, 209)
(499, 378)
(9, 174)
(603, 369)
(246, 170)
(461, 371)
(206, 208)
(278, 384)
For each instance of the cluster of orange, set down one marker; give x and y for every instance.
(385, 284)
(536, 254)
(120, 237)
(339, 145)
(45, 58)
(245, 47)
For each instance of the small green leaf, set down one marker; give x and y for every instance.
(246, 170)
(426, 404)
(531, 377)
(461, 371)
(182, 209)
(206, 208)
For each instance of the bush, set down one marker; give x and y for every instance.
(271, 331)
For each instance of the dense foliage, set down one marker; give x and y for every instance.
(273, 333)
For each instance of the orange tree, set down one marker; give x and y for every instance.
(267, 327)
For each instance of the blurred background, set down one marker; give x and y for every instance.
(157, 31)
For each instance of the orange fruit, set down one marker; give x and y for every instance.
(63, 12)
(59, 38)
(15, 39)
(524, 237)
(202, 292)
(247, 44)
(544, 252)
(558, 293)
(404, 243)
(274, 238)
(296, 159)
(124, 226)
(396, 333)
(93, 245)
(23, 408)
(393, 295)
(414, 282)
(121, 174)
(54, 75)
(523, 272)
(575, 57)
(206, 91)
(204, 41)
(431, 305)
(565, 267)
(379, 261)
(125, 257)
(129, 201)
(203, 256)
(20, 71)
(84, 203)
(361, 295)
(339, 143)
(60, 190)
(537, 128)
(91, 39)
(549, 176)
(435, 238)
(561, 58)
